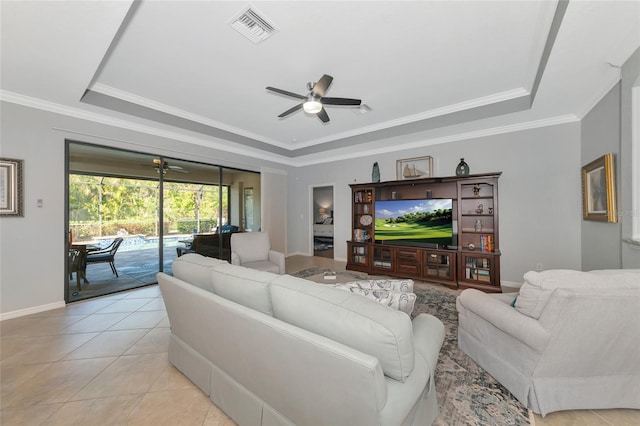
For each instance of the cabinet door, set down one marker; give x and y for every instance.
(440, 266)
(383, 259)
(408, 261)
(480, 271)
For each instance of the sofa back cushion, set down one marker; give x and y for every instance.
(196, 269)
(247, 287)
(348, 318)
(538, 286)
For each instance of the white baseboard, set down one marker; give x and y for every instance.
(33, 310)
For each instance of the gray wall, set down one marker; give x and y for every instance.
(600, 134)
(630, 81)
(608, 128)
(539, 193)
(32, 255)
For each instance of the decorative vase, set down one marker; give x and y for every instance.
(478, 225)
(462, 169)
(375, 173)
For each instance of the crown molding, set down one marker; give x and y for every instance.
(302, 161)
(214, 143)
(437, 112)
(148, 103)
(551, 121)
(609, 83)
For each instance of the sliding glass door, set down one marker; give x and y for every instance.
(131, 214)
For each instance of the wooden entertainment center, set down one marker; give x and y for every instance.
(473, 261)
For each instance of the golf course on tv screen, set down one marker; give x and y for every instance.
(414, 221)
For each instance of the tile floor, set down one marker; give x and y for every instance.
(104, 362)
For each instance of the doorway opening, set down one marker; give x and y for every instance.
(322, 217)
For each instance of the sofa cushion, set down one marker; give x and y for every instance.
(244, 286)
(348, 318)
(538, 286)
(401, 301)
(196, 269)
(402, 285)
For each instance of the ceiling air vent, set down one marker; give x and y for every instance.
(253, 26)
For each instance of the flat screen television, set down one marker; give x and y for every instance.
(423, 222)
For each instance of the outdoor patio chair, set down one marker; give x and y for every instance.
(106, 255)
(75, 266)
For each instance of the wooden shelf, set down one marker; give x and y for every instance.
(446, 266)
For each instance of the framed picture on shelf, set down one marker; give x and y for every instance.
(599, 191)
(414, 168)
(11, 194)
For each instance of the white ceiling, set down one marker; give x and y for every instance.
(430, 71)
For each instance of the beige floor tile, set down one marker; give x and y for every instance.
(96, 322)
(35, 415)
(172, 379)
(156, 304)
(148, 319)
(88, 307)
(25, 386)
(37, 326)
(570, 418)
(108, 343)
(145, 292)
(179, 407)
(620, 417)
(155, 341)
(217, 417)
(124, 305)
(41, 349)
(102, 411)
(129, 374)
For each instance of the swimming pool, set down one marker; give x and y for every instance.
(143, 242)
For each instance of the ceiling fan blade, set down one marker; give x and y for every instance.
(340, 101)
(284, 92)
(322, 115)
(320, 88)
(291, 110)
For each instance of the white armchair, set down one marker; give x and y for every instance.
(253, 250)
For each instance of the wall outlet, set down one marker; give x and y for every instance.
(539, 267)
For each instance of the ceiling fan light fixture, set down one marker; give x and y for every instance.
(312, 106)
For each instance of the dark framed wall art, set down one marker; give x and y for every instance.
(599, 190)
(11, 191)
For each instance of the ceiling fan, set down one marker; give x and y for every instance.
(167, 167)
(314, 102)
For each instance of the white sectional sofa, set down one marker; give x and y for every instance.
(278, 350)
(568, 340)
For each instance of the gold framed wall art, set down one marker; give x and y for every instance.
(599, 190)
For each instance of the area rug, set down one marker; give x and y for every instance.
(467, 395)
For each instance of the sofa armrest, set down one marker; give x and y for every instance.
(235, 259)
(504, 317)
(428, 336)
(277, 258)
